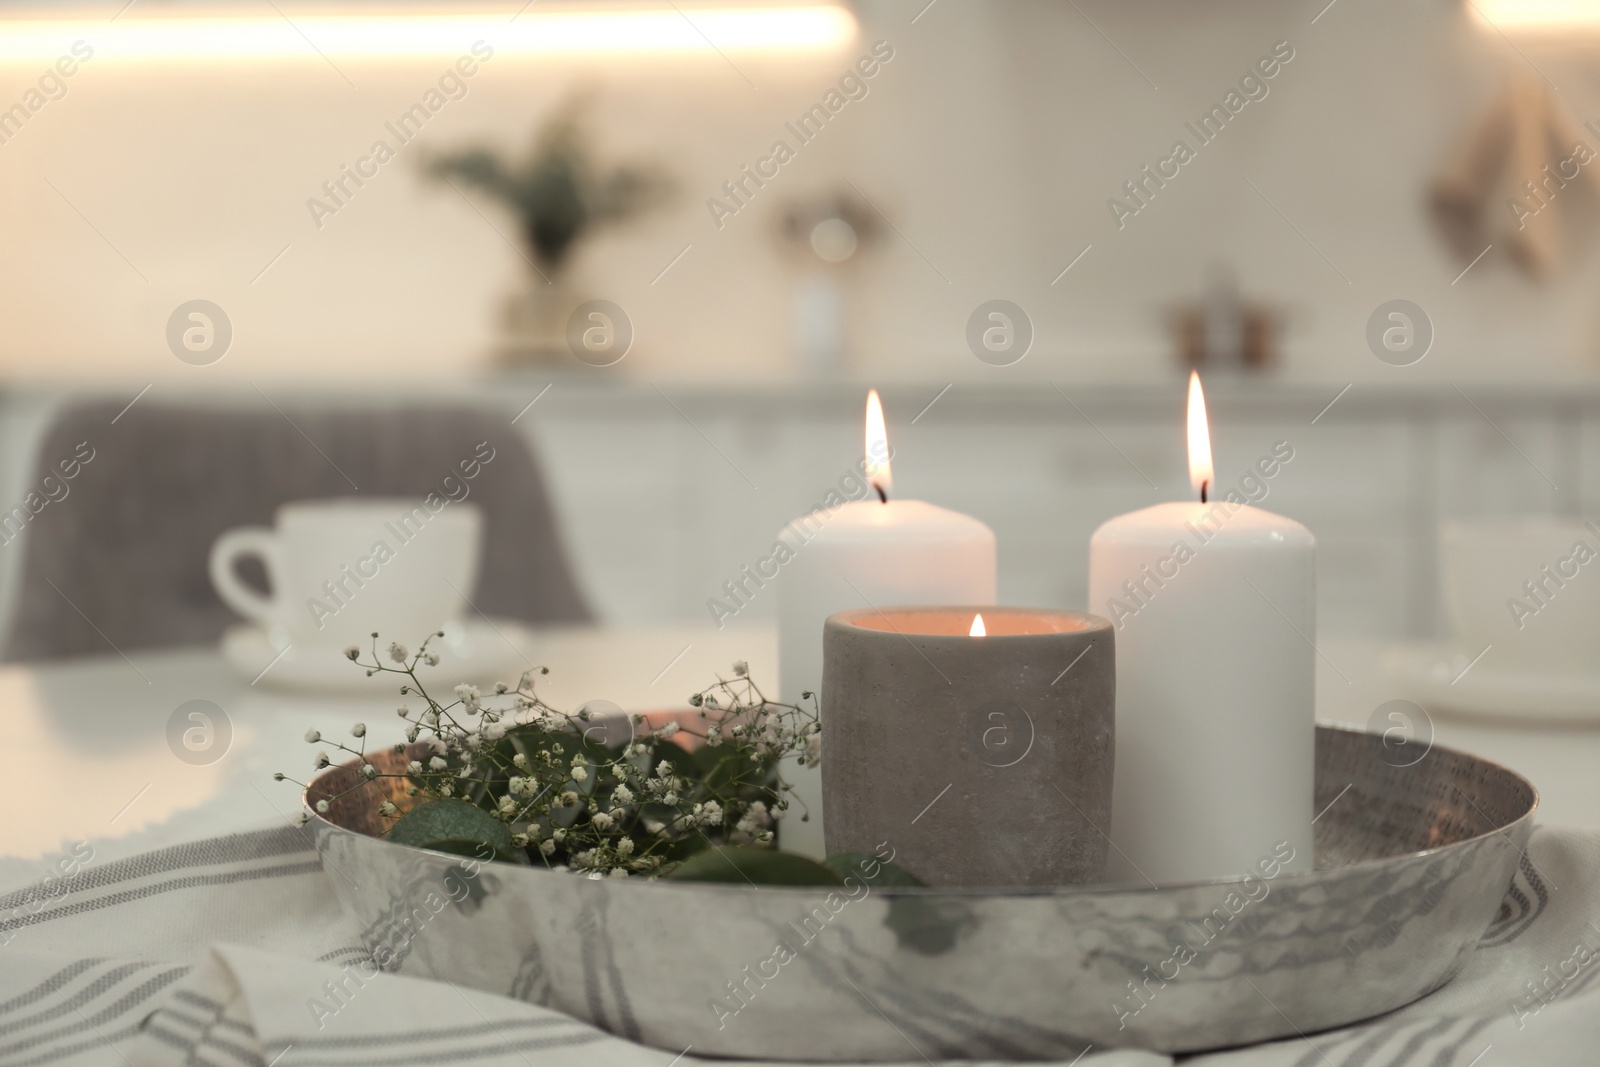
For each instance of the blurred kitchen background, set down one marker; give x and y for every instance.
(1379, 162)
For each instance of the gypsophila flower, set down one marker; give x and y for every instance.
(507, 752)
(322, 807)
(300, 818)
(313, 736)
(351, 652)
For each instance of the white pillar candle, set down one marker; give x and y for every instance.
(879, 552)
(1213, 606)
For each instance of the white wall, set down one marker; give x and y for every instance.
(992, 142)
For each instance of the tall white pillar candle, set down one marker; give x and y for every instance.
(878, 552)
(1213, 606)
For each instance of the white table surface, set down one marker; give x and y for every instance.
(89, 759)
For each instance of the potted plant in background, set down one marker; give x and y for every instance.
(559, 195)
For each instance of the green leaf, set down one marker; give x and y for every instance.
(857, 864)
(743, 864)
(458, 827)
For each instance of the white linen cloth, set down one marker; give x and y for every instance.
(211, 953)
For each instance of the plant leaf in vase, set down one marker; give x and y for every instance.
(458, 827)
(744, 865)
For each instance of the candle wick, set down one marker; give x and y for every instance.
(1203, 490)
(882, 496)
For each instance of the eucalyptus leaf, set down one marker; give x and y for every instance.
(745, 865)
(458, 827)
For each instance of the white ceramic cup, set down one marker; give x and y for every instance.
(1528, 586)
(340, 569)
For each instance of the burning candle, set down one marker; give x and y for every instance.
(864, 554)
(977, 745)
(1214, 606)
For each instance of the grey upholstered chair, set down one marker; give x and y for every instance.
(121, 559)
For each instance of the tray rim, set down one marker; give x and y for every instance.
(989, 892)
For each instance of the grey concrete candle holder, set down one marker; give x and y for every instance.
(982, 761)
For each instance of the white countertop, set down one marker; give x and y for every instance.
(90, 760)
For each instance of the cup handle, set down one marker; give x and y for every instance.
(228, 550)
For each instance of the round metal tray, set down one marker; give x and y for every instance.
(1412, 864)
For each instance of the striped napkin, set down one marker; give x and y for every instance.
(204, 954)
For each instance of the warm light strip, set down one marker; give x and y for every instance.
(809, 27)
(1537, 14)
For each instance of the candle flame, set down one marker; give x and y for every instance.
(977, 627)
(877, 466)
(1200, 471)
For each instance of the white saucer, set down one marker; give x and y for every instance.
(478, 651)
(1432, 675)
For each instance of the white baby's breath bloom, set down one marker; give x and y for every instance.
(437, 763)
(664, 769)
(601, 819)
(669, 731)
(300, 818)
(580, 774)
(469, 695)
(520, 762)
(619, 872)
(313, 736)
(397, 652)
(448, 789)
(403, 711)
(547, 847)
(321, 761)
(322, 807)
(388, 808)
(368, 771)
(741, 668)
(414, 767)
(708, 814)
(622, 794)
(358, 730)
(507, 804)
(520, 840)
(351, 652)
(625, 847)
(670, 798)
